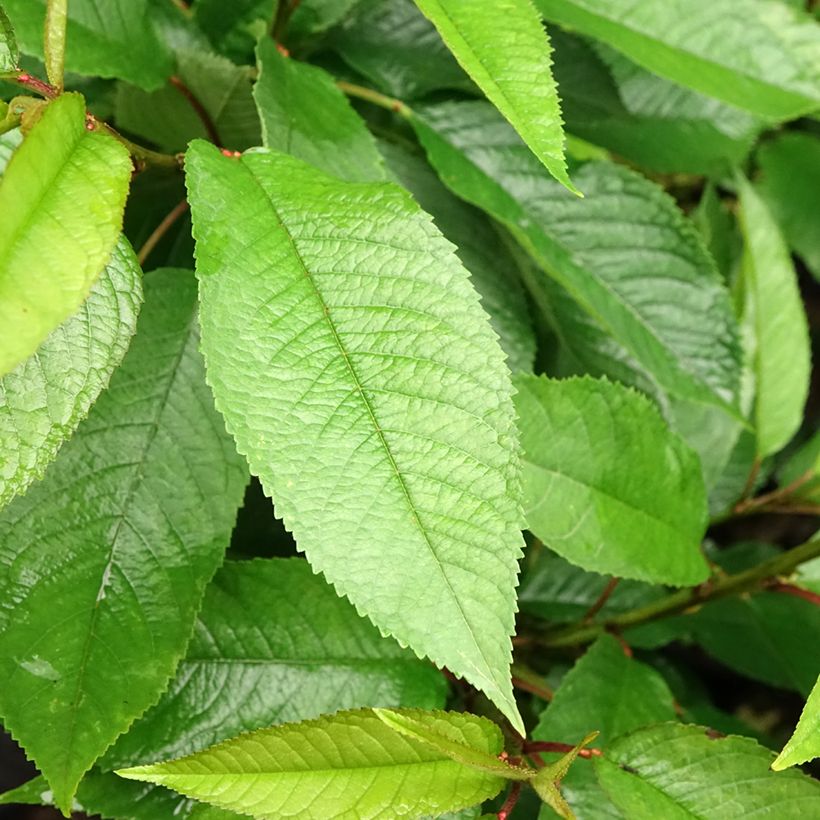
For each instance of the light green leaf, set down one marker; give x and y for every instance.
(9, 53)
(760, 55)
(304, 114)
(493, 269)
(45, 397)
(121, 537)
(358, 373)
(607, 485)
(790, 185)
(274, 643)
(623, 277)
(62, 198)
(349, 765)
(512, 65)
(105, 38)
(677, 772)
(166, 118)
(774, 311)
(804, 744)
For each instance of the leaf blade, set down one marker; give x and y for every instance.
(804, 744)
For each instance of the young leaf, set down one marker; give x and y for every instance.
(304, 114)
(685, 772)
(511, 64)
(106, 38)
(548, 780)
(756, 54)
(45, 397)
(804, 744)
(62, 197)
(351, 764)
(274, 643)
(9, 53)
(774, 310)
(122, 535)
(607, 485)
(358, 373)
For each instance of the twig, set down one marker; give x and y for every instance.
(199, 109)
(284, 11)
(769, 499)
(30, 83)
(528, 681)
(510, 803)
(602, 599)
(371, 96)
(160, 231)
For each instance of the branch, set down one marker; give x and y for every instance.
(712, 590)
(374, 97)
(199, 109)
(160, 231)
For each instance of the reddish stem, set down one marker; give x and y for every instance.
(549, 746)
(509, 804)
(798, 592)
(160, 231)
(199, 108)
(602, 599)
(543, 692)
(34, 84)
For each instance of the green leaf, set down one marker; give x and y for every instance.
(774, 312)
(45, 397)
(358, 373)
(304, 114)
(675, 771)
(349, 765)
(548, 780)
(607, 485)
(719, 230)
(613, 102)
(166, 117)
(62, 197)
(105, 38)
(231, 26)
(493, 269)
(121, 536)
(804, 744)
(805, 460)
(790, 185)
(312, 17)
(623, 277)
(756, 54)
(274, 643)
(394, 45)
(9, 53)
(512, 65)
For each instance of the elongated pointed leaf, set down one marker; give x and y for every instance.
(349, 765)
(774, 311)
(804, 744)
(62, 197)
(607, 484)
(358, 373)
(512, 65)
(757, 54)
(304, 114)
(105, 38)
(120, 538)
(274, 643)
(9, 53)
(45, 397)
(675, 771)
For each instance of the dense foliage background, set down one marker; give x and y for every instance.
(475, 469)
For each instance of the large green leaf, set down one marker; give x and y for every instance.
(677, 772)
(120, 539)
(804, 744)
(790, 186)
(493, 269)
(273, 644)
(234, 27)
(511, 64)
(774, 312)
(303, 113)
(167, 118)
(608, 692)
(45, 397)
(607, 485)
(756, 54)
(359, 375)
(62, 197)
(104, 38)
(624, 278)
(312, 17)
(349, 765)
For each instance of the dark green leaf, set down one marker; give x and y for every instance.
(232, 27)
(312, 17)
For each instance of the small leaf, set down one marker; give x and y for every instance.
(775, 314)
(762, 56)
(675, 771)
(607, 485)
(804, 744)
(62, 197)
(9, 53)
(547, 782)
(511, 64)
(350, 764)
(121, 537)
(355, 368)
(304, 114)
(273, 643)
